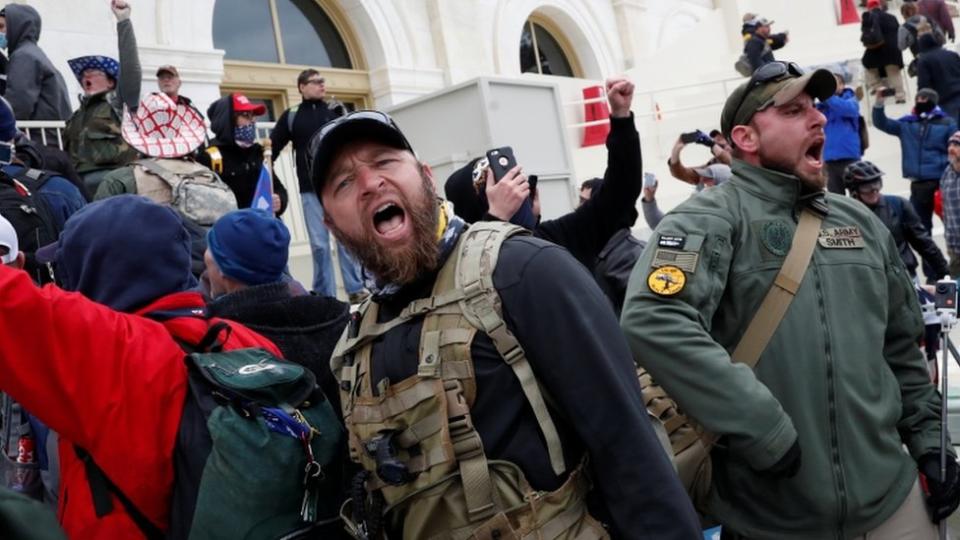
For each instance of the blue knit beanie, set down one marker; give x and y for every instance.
(8, 124)
(250, 246)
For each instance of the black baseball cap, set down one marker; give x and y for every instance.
(375, 126)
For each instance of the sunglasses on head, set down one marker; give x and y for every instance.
(317, 140)
(767, 73)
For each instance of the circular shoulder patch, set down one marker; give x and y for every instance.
(776, 237)
(666, 280)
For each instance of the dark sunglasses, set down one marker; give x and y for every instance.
(767, 73)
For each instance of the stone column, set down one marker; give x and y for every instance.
(633, 36)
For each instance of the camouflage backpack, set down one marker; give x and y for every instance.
(196, 191)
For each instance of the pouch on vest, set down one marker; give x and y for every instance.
(196, 191)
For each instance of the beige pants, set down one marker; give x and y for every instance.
(910, 521)
(892, 80)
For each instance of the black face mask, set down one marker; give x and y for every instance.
(925, 106)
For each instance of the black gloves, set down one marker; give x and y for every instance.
(943, 495)
(787, 466)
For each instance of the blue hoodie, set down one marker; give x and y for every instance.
(124, 252)
(843, 126)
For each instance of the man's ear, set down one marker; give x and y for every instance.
(746, 138)
(426, 170)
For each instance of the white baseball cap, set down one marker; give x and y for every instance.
(8, 239)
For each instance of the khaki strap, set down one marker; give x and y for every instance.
(785, 286)
(468, 448)
(475, 266)
(429, 365)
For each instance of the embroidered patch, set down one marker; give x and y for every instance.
(684, 260)
(675, 242)
(776, 237)
(842, 238)
(666, 280)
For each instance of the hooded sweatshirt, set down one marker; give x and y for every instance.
(35, 89)
(241, 166)
(121, 270)
(939, 69)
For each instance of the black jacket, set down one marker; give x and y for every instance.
(900, 217)
(889, 53)
(615, 264)
(938, 68)
(586, 230)
(310, 116)
(304, 327)
(759, 50)
(580, 357)
(241, 166)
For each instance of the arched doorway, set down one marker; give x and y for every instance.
(263, 60)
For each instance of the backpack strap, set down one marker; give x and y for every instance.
(476, 260)
(291, 114)
(785, 286)
(216, 159)
(34, 179)
(101, 487)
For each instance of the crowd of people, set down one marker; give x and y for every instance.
(760, 363)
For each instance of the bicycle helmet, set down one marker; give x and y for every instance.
(861, 172)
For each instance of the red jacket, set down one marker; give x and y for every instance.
(110, 382)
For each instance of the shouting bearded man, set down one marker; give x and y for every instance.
(485, 386)
(811, 439)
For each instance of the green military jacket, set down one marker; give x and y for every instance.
(92, 136)
(842, 373)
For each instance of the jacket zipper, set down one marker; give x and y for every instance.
(832, 406)
(923, 138)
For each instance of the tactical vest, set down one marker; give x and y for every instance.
(92, 136)
(425, 465)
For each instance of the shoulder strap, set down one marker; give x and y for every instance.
(216, 159)
(291, 114)
(477, 257)
(102, 487)
(33, 178)
(774, 306)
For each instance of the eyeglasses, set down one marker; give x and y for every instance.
(767, 73)
(317, 81)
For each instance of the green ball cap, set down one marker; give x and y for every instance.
(819, 84)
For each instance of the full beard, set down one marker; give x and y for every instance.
(400, 264)
(815, 181)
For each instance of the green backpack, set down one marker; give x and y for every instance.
(256, 439)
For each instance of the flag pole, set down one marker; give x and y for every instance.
(268, 163)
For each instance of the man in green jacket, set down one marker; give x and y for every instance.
(812, 440)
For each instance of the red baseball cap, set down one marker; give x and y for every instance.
(242, 103)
